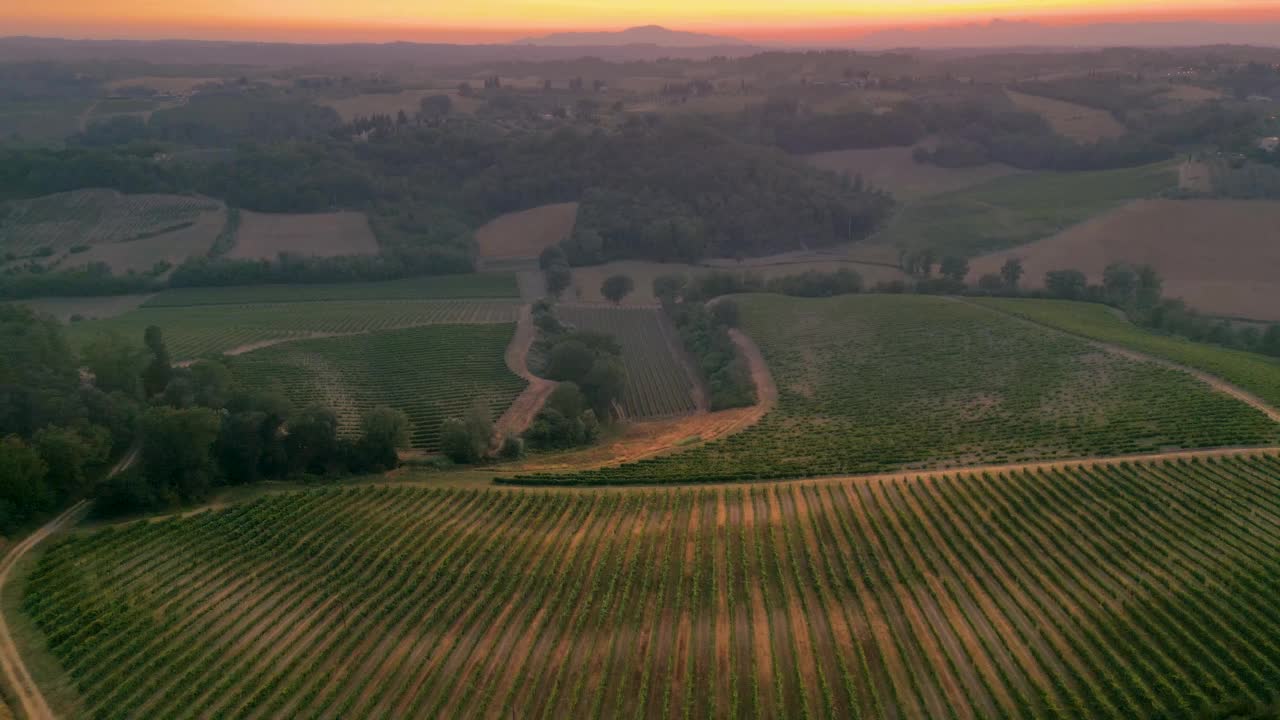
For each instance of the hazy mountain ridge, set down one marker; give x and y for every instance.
(1006, 33)
(643, 35)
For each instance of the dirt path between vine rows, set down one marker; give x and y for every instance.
(24, 687)
(519, 416)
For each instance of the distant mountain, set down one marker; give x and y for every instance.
(646, 35)
(1005, 33)
(321, 57)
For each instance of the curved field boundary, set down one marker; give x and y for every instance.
(1213, 381)
(24, 687)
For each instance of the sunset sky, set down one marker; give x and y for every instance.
(501, 20)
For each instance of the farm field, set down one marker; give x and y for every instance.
(874, 383)
(1256, 374)
(141, 255)
(198, 331)
(266, 235)
(1112, 591)
(439, 287)
(657, 383)
(1017, 210)
(1078, 122)
(54, 224)
(895, 170)
(431, 373)
(527, 233)
(1220, 256)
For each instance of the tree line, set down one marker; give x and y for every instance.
(193, 428)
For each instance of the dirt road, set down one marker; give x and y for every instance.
(25, 691)
(520, 415)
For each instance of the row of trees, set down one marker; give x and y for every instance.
(1135, 289)
(588, 366)
(704, 332)
(193, 428)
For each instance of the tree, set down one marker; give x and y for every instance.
(569, 360)
(1120, 283)
(70, 457)
(565, 420)
(559, 278)
(176, 458)
(466, 439)
(551, 256)
(617, 287)
(312, 440)
(668, 288)
(726, 313)
(992, 283)
(156, 376)
(434, 108)
(211, 383)
(1270, 343)
(954, 268)
(384, 431)
(605, 383)
(1011, 272)
(1149, 287)
(1066, 284)
(115, 363)
(23, 492)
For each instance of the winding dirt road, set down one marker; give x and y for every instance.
(520, 415)
(24, 687)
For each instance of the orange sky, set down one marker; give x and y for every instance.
(501, 20)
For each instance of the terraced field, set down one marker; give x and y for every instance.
(1257, 374)
(443, 287)
(93, 217)
(657, 384)
(1110, 591)
(879, 382)
(431, 373)
(201, 330)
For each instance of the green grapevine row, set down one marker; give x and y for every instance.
(1105, 591)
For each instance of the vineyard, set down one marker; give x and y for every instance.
(1109, 591)
(199, 331)
(431, 373)
(1257, 374)
(880, 382)
(442, 287)
(54, 224)
(657, 383)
